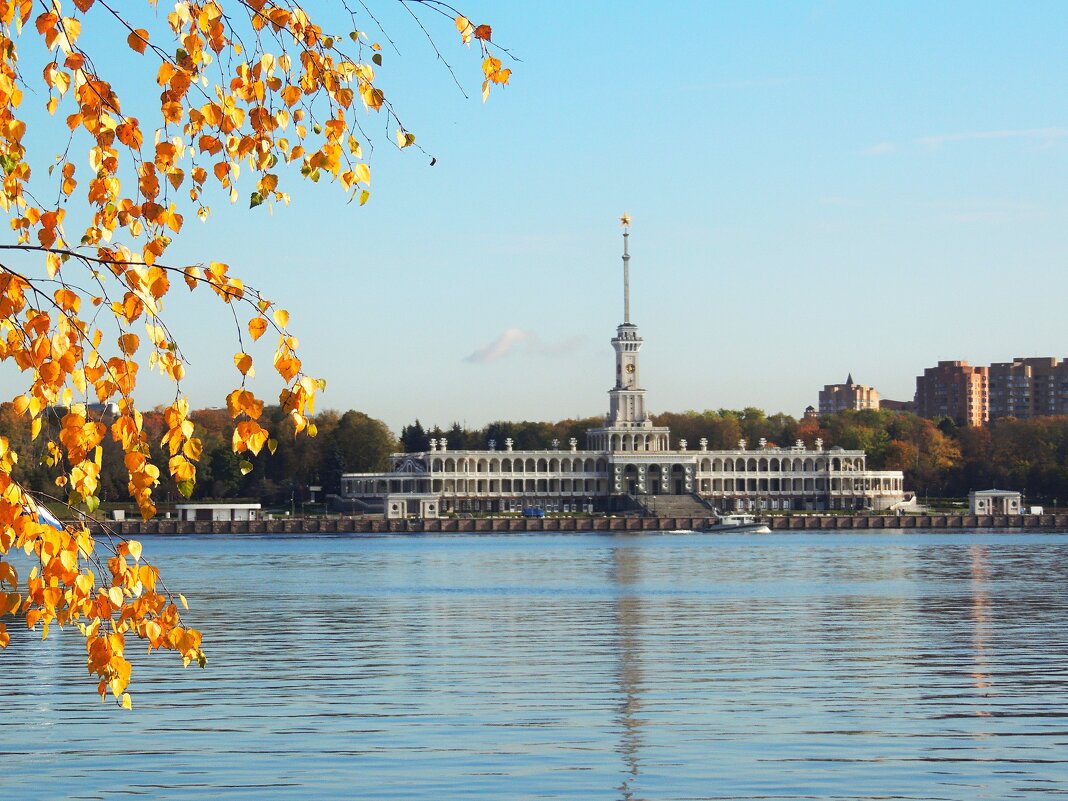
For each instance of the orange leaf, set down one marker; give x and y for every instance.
(243, 362)
(138, 40)
(483, 32)
(128, 343)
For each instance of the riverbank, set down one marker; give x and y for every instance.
(363, 525)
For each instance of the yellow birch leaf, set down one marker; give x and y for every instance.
(126, 702)
(281, 317)
(185, 603)
(134, 548)
(257, 326)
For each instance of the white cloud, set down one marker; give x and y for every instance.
(881, 149)
(515, 340)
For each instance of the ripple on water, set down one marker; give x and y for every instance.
(920, 666)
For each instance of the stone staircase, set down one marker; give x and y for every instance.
(673, 505)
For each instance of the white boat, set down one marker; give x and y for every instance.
(739, 524)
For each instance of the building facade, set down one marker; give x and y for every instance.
(995, 502)
(627, 460)
(1025, 388)
(953, 389)
(836, 398)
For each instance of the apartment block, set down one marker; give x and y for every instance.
(840, 397)
(954, 389)
(1025, 388)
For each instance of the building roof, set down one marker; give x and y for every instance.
(217, 506)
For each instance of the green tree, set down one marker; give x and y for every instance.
(363, 443)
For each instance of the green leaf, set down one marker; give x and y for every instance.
(186, 488)
(92, 503)
(377, 59)
(255, 200)
(246, 467)
(317, 128)
(272, 445)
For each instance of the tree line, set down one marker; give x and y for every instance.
(938, 458)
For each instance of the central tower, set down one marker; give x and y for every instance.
(626, 400)
(627, 424)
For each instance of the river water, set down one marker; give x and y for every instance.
(573, 666)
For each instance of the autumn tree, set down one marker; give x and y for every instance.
(252, 95)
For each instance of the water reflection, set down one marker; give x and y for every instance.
(610, 668)
(627, 577)
(981, 631)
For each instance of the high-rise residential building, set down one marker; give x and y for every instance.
(840, 397)
(1025, 388)
(953, 389)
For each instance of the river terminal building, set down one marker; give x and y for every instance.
(628, 463)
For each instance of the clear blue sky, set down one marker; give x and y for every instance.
(816, 188)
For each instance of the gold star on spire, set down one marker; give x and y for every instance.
(624, 220)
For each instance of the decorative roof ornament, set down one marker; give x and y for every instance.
(849, 380)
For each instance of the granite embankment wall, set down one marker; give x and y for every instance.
(346, 525)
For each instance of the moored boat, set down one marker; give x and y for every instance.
(738, 524)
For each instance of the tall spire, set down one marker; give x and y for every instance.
(625, 220)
